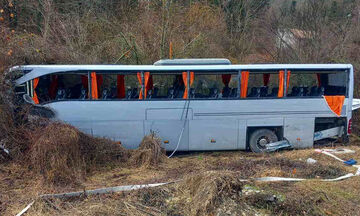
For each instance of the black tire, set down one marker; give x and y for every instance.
(259, 135)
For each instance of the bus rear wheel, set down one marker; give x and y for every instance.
(260, 138)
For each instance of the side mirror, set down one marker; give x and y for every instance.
(28, 99)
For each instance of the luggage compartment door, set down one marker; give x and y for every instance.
(300, 131)
(213, 134)
(167, 123)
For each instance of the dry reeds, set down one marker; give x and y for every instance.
(62, 154)
(208, 190)
(149, 153)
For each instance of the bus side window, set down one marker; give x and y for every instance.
(132, 87)
(60, 87)
(303, 85)
(263, 85)
(215, 86)
(336, 83)
(166, 86)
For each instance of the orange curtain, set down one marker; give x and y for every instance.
(35, 97)
(120, 86)
(94, 86)
(140, 82)
(226, 79)
(281, 82)
(244, 83)
(335, 103)
(146, 82)
(184, 76)
(146, 79)
(266, 79)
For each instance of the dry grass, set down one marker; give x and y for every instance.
(63, 155)
(210, 186)
(149, 153)
(207, 191)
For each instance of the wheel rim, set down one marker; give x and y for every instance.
(262, 142)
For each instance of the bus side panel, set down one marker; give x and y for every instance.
(242, 134)
(213, 135)
(300, 131)
(168, 123)
(169, 131)
(83, 126)
(129, 133)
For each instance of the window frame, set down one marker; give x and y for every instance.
(29, 84)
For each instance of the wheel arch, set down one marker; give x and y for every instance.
(278, 130)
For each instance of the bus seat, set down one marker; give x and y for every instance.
(254, 92)
(134, 93)
(234, 93)
(317, 91)
(105, 94)
(192, 93)
(306, 90)
(294, 91)
(68, 93)
(61, 95)
(149, 94)
(214, 93)
(155, 92)
(128, 94)
(313, 91)
(83, 94)
(258, 91)
(226, 91)
(113, 92)
(301, 92)
(263, 91)
(179, 93)
(274, 92)
(171, 93)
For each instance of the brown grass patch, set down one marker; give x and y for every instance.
(63, 154)
(149, 153)
(203, 193)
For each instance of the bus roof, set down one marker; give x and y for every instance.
(201, 61)
(34, 71)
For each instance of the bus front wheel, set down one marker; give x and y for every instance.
(260, 138)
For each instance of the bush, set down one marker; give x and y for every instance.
(63, 154)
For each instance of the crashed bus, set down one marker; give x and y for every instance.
(197, 104)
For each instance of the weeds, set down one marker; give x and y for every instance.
(63, 155)
(149, 153)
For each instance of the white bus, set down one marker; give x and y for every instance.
(197, 104)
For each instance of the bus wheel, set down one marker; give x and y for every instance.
(260, 138)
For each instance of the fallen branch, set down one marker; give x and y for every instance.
(102, 190)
